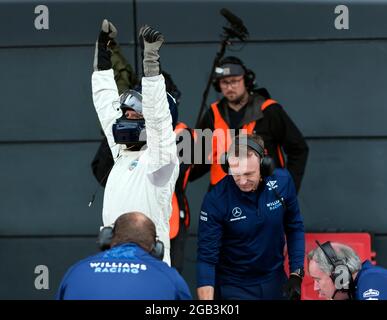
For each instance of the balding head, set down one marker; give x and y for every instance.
(134, 227)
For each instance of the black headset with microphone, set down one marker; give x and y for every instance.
(106, 234)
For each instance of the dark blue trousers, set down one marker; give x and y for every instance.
(272, 289)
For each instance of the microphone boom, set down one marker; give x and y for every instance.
(236, 23)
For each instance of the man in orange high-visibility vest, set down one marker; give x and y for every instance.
(245, 107)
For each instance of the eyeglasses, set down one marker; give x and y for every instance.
(232, 83)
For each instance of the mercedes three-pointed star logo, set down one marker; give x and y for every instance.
(236, 212)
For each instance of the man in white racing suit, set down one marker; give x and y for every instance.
(142, 178)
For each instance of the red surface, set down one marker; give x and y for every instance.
(360, 242)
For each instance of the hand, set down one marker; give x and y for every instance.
(206, 293)
(292, 288)
(150, 36)
(150, 41)
(102, 52)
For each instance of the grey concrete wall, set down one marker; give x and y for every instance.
(331, 82)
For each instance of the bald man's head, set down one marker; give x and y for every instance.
(134, 227)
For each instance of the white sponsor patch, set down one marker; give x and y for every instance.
(272, 184)
(203, 216)
(274, 205)
(119, 267)
(236, 212)
(371, 294)
(239, 218)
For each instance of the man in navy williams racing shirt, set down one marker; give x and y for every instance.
(130, 269)
(243, 223)
(338, 274)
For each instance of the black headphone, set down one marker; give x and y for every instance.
(340, 268)
(106, 234)
(266, 164)
(158, 249)
(249, 75)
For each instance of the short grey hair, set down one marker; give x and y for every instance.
(343, 252)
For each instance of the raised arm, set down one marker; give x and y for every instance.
(105, 93)
(161, 140)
